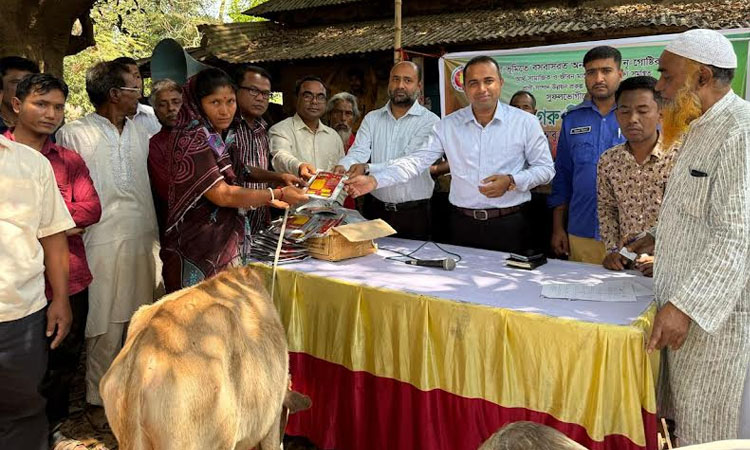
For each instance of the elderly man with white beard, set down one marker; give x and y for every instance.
(342, 111)
(702, 244)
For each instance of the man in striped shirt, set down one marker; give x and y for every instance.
(397, 129)
(253, 94)
(702, 244)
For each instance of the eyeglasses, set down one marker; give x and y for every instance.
(309, 96)
(125, 88)
(257, 92)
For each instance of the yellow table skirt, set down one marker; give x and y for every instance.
(596, 375)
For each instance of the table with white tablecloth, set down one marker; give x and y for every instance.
(399, 356)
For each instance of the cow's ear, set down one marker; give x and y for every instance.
(296, 402)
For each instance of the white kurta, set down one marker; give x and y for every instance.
(703, 268)
(120, 248)
(146, 119)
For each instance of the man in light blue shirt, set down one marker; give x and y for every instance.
(497, 154)
(397, 129)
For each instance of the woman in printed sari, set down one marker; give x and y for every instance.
(202, 228)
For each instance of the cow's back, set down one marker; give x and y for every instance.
(205, 367)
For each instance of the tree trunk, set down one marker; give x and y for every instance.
(222, 7)
(40, 30)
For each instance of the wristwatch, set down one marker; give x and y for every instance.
(512, 185)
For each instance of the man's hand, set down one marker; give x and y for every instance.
(360, 185)
(643, 245)
(559, 242)
(306, 171)
(59, 317)
(339, 169)
(645, 264)
(614, 261)
(670, 329)
(74, 231)
(356, 169)
(287, 179)
(495, 186)
(441, 167)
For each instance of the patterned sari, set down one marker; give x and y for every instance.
(199, 238)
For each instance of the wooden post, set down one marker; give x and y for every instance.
(397, 38)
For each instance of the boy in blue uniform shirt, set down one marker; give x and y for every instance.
(588, 130)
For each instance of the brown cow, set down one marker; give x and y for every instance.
(203, 368)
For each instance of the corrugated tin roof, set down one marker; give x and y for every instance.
(267, 41)
(273, 6)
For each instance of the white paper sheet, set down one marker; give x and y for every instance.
(607, 291)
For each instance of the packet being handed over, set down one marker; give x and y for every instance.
(325, 185)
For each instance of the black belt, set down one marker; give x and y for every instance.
(487, 214)
(396, 207)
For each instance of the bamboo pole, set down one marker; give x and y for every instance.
(397, 37)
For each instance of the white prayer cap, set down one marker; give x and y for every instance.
(706, 47)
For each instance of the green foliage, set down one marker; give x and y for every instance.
(236, 7)
(131, 28)
(134, 27)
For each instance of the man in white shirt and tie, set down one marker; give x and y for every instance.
(497, 154)
(397, 129)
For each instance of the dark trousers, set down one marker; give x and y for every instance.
(410, 222)
(23, 360)
(63, 362)
(509, 233)
(440, 211)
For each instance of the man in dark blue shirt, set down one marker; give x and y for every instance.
(588, 130)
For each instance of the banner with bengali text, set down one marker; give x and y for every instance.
(555, 74)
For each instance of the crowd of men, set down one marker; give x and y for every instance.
(658, 166)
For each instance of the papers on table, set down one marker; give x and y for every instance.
(606, 291)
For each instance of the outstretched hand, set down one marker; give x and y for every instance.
(306, 171)
(289, 196)
(360, 185)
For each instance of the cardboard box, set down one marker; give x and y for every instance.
(349, 241)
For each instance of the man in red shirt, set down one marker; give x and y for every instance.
(40, 104)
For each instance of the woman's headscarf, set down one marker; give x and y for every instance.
(193, 171)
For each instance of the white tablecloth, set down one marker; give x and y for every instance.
(481, 277)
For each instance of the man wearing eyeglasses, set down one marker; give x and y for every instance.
(252, 149)
(302, 144)
(120, 249)
(144, 114)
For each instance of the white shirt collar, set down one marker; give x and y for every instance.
(415, 110)
(499, 114)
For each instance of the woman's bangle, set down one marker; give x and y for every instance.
(272, 196)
